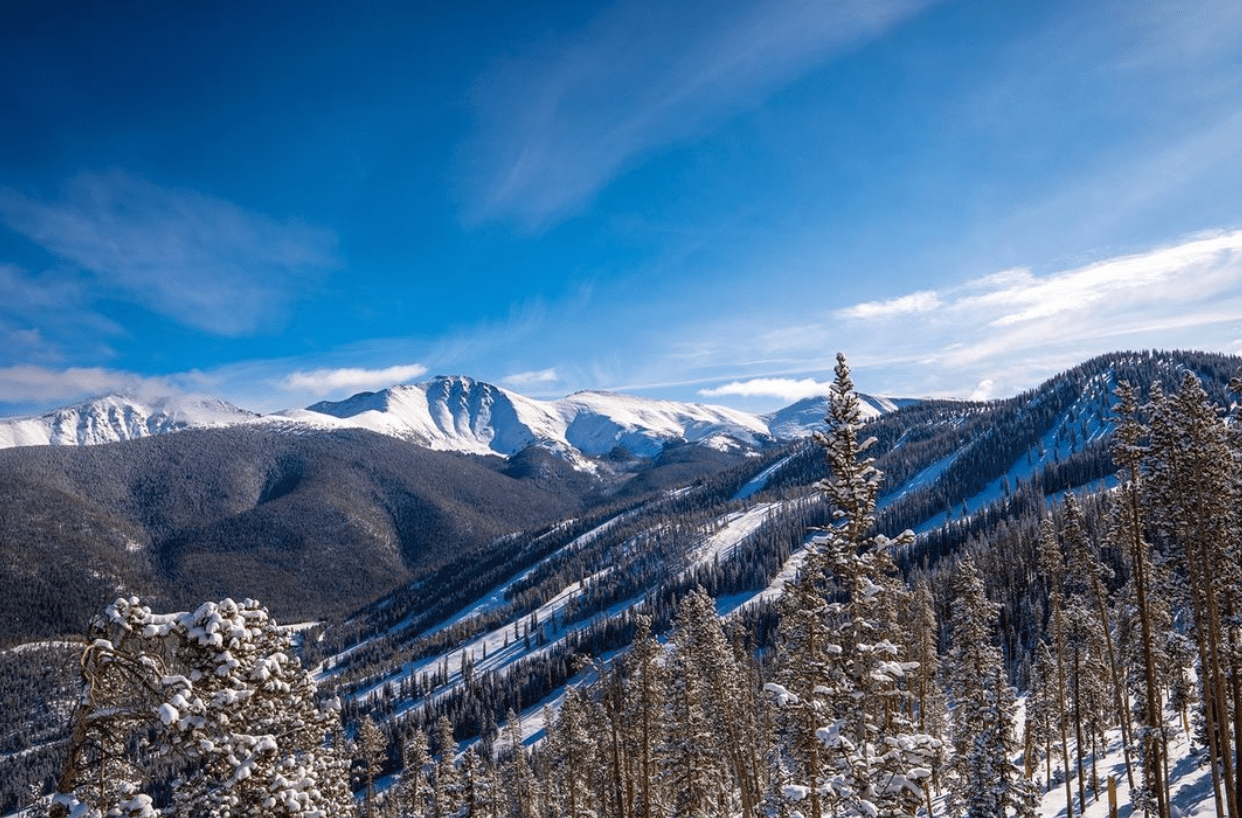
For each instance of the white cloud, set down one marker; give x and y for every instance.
(787, 389)
(30, 385)
(985, 390)
(320, 382)
(1187, 295)
(523, 380)
(924, 301)
(197, 259)
(559, 126)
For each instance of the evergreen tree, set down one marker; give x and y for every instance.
(446, 789)
(927, 697)
(1192, 481)
(414, 788)
(645, 718)
(695, 756)
(985, 782)
(481, 790)
(570, 751)
(1052, 566)
(1043, 709)
(220, 690)
(521, 785)
(371, 751)
(841, 676)
(1092, 574)
(1126, 531)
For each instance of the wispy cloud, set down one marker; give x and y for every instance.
(787, 389)
(24, 386)
(197, 259)
(526, 380)
(24, 293)
(41, 314)
(1184, 294)
(903, 305)
(320, 382)
(639, 77)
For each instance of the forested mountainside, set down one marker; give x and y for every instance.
(545, 614)
(311, 524)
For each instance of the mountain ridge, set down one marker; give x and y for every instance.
(116, 417)
(453, 413)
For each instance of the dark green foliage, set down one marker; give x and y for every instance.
(38, 689)
(313, 523)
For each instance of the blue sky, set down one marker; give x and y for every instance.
(281, 203)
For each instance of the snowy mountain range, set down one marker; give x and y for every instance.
(114, 418)
(452, 414)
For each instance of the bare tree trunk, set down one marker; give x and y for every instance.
(1061, 721)
(1156, 752)
(1082, 784)
(1115, 678)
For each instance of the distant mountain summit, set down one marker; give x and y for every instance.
(460, 414)
(446, 413)
(116, 417)
(799, 419)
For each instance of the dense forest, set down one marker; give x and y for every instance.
(881, 688)
(879, 677)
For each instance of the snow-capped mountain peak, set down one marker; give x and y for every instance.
(801, 418)
(113, 418)
(461, 414)
(450, 413)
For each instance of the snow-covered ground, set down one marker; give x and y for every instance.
(1191, 783)
(501, 646)
(759, 482)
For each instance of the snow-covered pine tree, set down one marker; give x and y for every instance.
(371, 748)
(446, 788)
(798, 778)
(1144, 658)
(1042, 709)
(696, 756)
(1092, 576)
(222, 693)
(841, 670)
(570, 752)
(930, 712)
(985, 783)
(1085, 663)
(414, 789)
(482, 792)
(522, 788)
(1192, 483)
(616, 770)
(645, 719)
(1052, 566)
